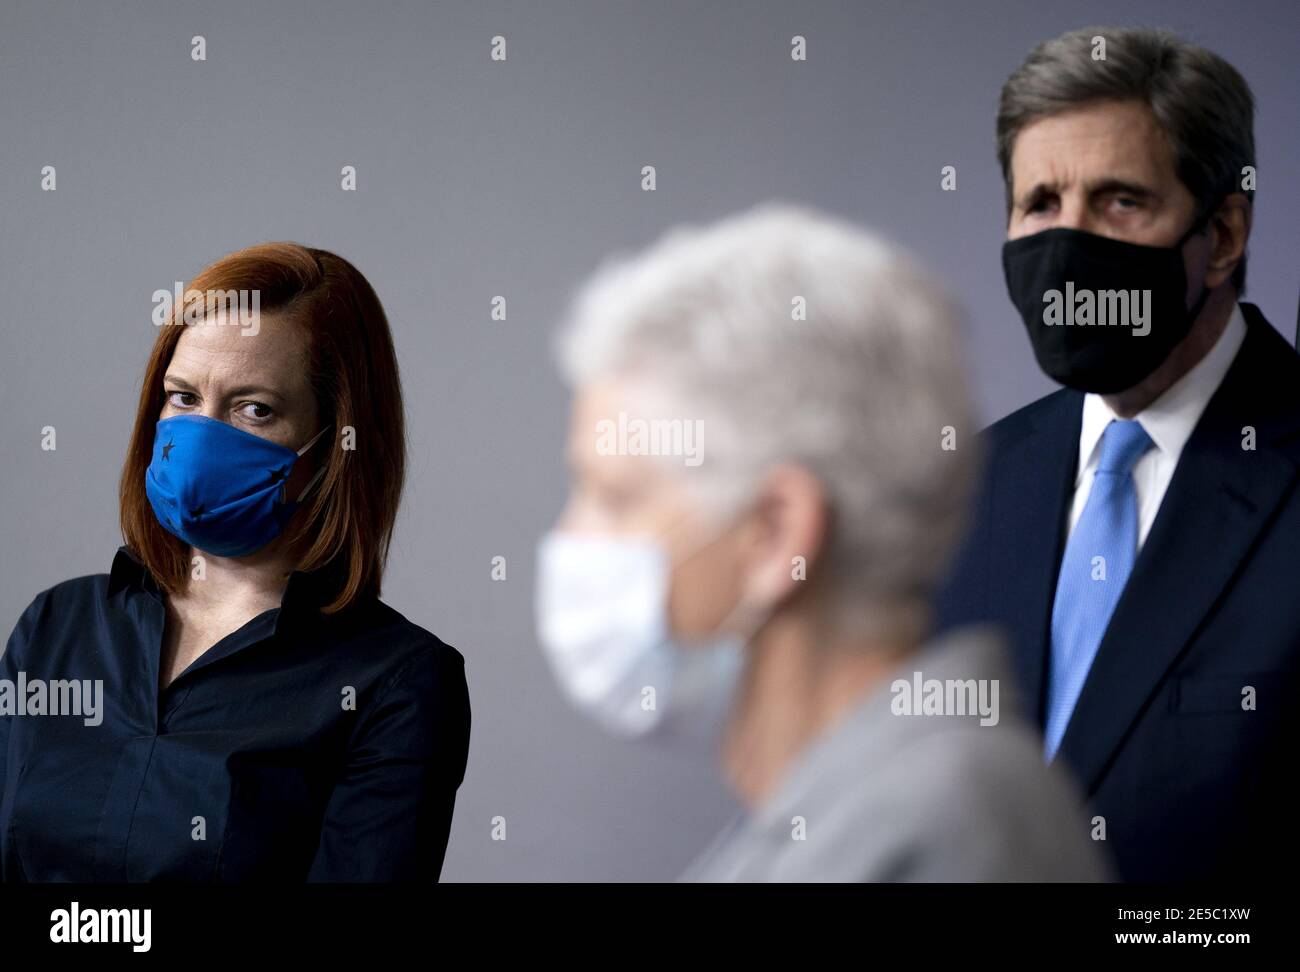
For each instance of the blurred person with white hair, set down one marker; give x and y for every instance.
(771, 461)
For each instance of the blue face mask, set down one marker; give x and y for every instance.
(219, 488)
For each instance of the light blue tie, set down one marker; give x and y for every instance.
(1098, 559)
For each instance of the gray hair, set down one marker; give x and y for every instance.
(862, 392)
(1202, 103)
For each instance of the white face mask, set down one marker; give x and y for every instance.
(602, 619)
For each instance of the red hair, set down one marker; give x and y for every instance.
(347, 524)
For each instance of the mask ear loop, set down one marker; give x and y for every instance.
(319, 472)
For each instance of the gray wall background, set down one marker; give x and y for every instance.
(476, 179)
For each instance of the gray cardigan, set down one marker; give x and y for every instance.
(884, 795)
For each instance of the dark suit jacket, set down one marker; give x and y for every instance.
(1191, 784)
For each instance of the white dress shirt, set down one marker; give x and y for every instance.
(1168, 420)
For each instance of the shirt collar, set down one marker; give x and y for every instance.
(303, 597)
(127, 571)
(1170, 419)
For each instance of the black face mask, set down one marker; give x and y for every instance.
(1116, 309)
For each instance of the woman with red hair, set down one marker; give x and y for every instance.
(232, 701)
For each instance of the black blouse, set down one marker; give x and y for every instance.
(302, 747)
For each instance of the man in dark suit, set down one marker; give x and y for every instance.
(1138, 531)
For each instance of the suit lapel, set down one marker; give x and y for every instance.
(1034, 481)
(1219, 500)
